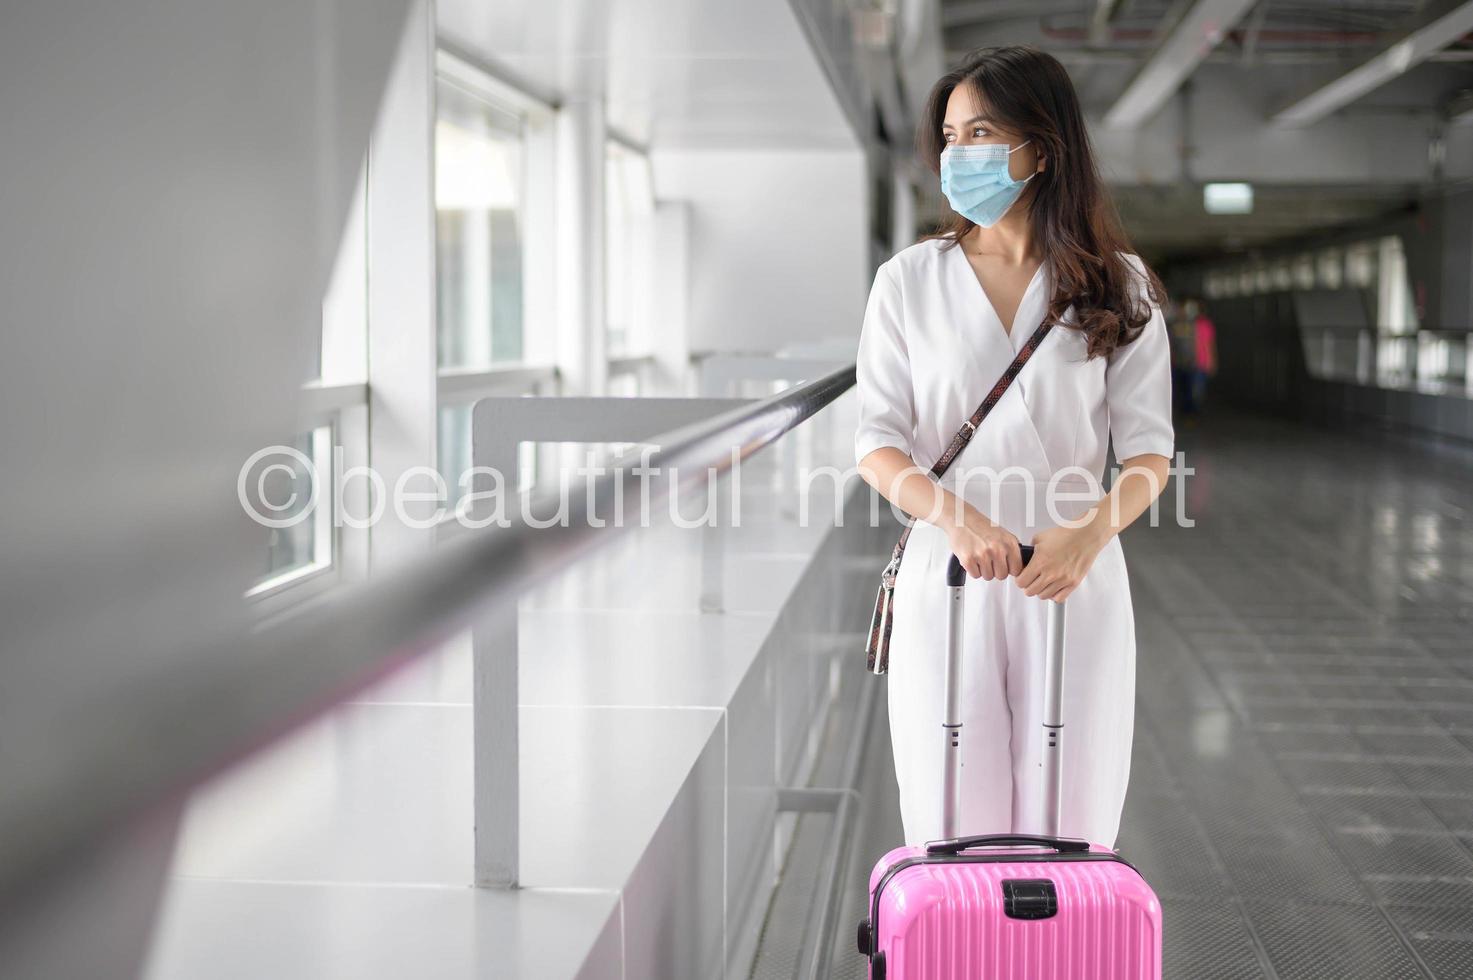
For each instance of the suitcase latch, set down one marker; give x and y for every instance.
(1029, 898)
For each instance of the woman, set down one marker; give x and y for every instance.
(1034, 240)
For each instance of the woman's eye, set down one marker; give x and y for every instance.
(979, 132)
(947, 137)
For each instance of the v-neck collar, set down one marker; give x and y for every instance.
(1009, 332)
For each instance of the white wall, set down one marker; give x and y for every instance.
(777, 244)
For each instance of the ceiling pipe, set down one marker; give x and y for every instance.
(1193, 37)
(1437, 27)
(1100, 23)
(1084, 56)
(1253, 33)
(1337, 39)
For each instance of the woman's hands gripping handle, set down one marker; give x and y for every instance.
(957, 575)
(986, 550)
(1051, 568)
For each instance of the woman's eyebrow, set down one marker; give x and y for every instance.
(947, 125)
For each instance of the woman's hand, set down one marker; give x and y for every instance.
(1061, 557)
(985, 550)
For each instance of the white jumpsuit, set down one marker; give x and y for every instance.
(930, 349)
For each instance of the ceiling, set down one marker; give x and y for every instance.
(674, 73)
(1243, 63)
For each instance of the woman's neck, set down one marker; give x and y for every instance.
(1010, 240)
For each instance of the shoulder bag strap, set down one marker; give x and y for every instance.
(969, 427)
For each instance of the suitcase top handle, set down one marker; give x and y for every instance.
(1064, 845)
(956, 575)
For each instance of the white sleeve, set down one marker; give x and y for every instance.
(1138, 390)
(886, 405)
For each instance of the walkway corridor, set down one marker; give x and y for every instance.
(1304, 763)
(1302, 786)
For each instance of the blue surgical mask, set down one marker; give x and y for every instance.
(976, 181)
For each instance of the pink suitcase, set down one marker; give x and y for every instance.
(1009, 906)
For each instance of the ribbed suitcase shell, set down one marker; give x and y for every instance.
(944, 919)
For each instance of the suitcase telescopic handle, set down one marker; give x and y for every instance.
(957, 575)
(1064, 845)
(1053, 703)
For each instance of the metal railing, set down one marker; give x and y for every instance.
(637, 366)
(460, 385)
(814, 960)
(1429, 359)
(154, 738)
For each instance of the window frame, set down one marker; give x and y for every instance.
(536, 372)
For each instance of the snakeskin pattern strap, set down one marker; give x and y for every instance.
(969, 427)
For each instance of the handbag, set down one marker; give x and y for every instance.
(877, 647)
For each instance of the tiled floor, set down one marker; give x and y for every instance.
(1302, 785)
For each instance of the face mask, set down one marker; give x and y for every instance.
(976, 181)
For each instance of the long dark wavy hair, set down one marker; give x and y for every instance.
(1074, 221)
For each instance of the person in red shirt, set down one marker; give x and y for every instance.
(1205, 342)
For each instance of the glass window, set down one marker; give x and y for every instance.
(293, 489)
(1394, 360)
(1304, 271)
(1360, 265)
(628, 208)
(1282, 275)
(1439, 359)
(1396, 312)
(455, 447)
(1329, 269)
(478, 249)
(340, 356)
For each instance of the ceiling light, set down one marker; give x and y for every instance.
(1228, 198)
